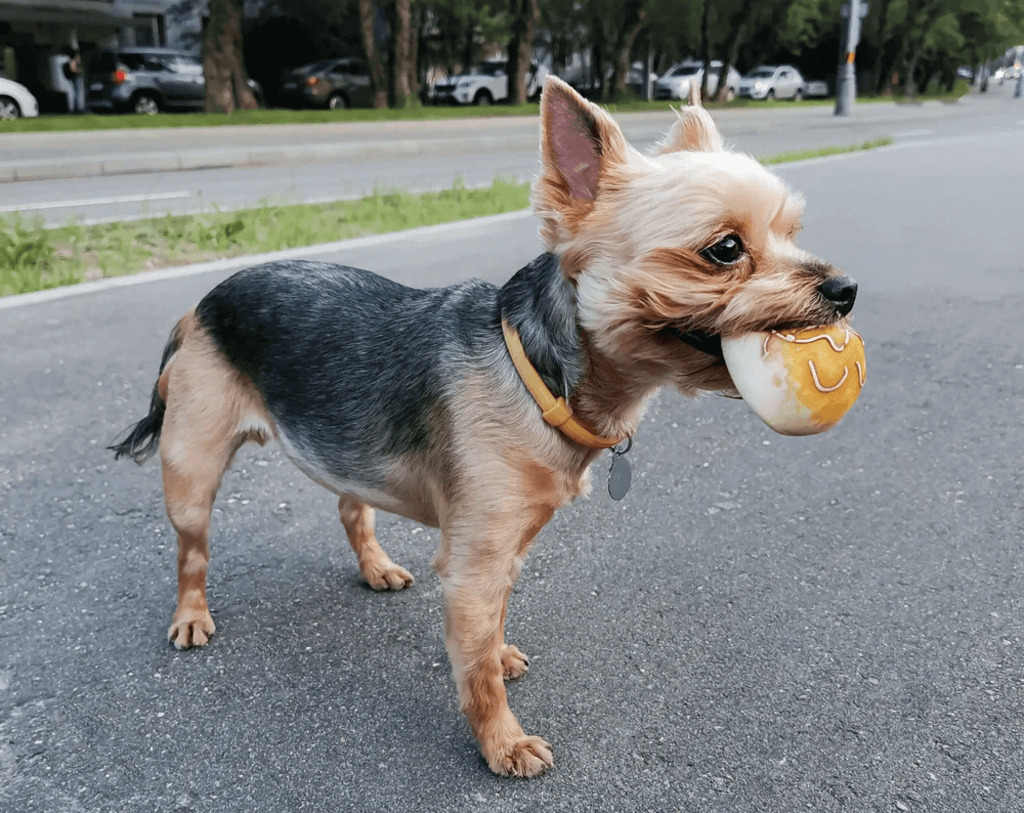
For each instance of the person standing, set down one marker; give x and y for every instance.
(75, 74)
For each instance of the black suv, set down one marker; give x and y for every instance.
(331, 83)
(146, 80)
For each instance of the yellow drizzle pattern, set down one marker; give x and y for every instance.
(814, 356)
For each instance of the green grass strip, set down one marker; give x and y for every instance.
(33, 257)
(803, 155)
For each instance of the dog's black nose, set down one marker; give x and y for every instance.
(840, 292)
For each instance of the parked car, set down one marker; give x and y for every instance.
(16, 100)
(675, 82)
(147, 80)
(336, 84)
(773, 82)
(816, 89)
(485, 84)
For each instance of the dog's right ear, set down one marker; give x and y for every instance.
(693, 130)
(579, 143)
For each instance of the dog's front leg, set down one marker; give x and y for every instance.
(480, 560)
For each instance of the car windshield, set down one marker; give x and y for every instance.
(103, 62)
(315, 67)
(761, 73)
(486, 69)
(685, 70)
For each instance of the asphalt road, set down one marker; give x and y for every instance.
(113, 175)
(765, 624)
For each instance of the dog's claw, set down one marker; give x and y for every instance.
(514, 664)
(388, 577)
(528, 756)
(192, 629)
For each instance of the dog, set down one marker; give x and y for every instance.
(479, 409)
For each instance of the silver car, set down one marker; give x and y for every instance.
(773, 82)
(675, 82)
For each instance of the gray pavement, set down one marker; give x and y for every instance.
(765, 624)
(121, 174)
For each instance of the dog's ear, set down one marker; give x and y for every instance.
(579, 142)
(694, 129)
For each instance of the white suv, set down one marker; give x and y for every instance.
(485, 84)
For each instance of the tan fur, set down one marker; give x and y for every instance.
(375, 565)
(207, 400)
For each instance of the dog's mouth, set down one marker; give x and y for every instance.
(708, 343)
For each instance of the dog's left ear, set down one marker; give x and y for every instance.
(694, 129)
(579, 144)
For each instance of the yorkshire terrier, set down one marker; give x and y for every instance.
(478, 409)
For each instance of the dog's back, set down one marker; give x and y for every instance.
(352, 366)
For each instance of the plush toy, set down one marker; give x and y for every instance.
(799, 382)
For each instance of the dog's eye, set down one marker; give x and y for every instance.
(726, 251)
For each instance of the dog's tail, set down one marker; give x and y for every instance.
(140, 441)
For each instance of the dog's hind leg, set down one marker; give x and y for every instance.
(375, 565)
(212, 409)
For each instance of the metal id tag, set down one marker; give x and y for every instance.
(620, 475)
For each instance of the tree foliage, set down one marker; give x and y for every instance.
(596, 43)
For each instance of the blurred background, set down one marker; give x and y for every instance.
(149, 55)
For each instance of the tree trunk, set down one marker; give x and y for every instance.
(373, 63)
(883, 20)
(910, 87)
(636, 12)
(401, 64)
(597, 58)
(525, 14)
(739, 27)
(469, 51)
(227, 85)
(705, 47)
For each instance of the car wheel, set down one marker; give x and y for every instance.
(145, 104)
(482, 99)
(798, 96)
(337, 102)
(9, 108)
(771, 95)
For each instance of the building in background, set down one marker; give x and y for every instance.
(35, 36)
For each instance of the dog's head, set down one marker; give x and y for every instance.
(670, 252)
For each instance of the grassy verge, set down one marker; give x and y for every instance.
(33, 257)
(803, 155)
(415, 113)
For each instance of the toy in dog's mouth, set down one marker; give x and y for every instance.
(798, 381)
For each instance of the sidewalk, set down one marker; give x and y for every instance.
(46, 156)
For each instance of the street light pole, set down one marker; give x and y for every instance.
(846, 81)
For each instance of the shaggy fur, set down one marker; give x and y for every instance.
(407, 400)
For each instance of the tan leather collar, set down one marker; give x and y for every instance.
(555, 411)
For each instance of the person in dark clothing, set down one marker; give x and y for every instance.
(75, 74)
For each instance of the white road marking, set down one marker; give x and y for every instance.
(914, 133)
(64, 204)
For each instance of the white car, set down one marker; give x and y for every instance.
(675, 82)
(485, 84)
(16, 101)
(773, 82)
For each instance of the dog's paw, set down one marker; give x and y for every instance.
(514, 664)
(526, 756)
(191, 628)
(387, 576)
